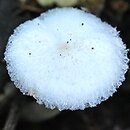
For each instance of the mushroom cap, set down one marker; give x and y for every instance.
(66, 58)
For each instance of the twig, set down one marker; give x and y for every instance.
(31, 8)
(12, 118)
(8, 96)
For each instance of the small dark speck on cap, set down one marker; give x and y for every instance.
(60, 54)
(67, 41)
(82, 24)
(29, 53)
(92, 48)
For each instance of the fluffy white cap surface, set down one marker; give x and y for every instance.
(66, 58)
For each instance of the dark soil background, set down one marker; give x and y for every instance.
(113, 114)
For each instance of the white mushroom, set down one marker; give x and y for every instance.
(67, 58)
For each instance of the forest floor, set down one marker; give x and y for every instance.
(113, 114)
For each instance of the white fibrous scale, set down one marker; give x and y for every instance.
(66, 59)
